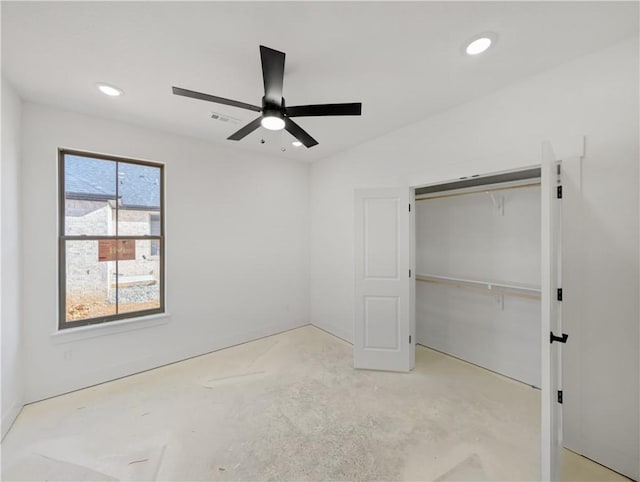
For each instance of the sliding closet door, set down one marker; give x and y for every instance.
(550, 321)
(383, 337)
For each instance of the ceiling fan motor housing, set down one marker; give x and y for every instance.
(271, 109)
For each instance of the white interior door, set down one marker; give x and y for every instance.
(551, 414)
(383, 336)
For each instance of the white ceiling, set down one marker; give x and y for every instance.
(403, 61)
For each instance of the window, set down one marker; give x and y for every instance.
(111, 238)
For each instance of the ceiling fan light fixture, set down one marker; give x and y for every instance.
(272, 120)
(296, 144)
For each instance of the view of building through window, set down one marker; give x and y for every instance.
(111, 231)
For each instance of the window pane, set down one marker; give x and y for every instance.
(137, 222)
(90, 280)
(139, 194)
(138, 276)
(90, 193)
(154, 228)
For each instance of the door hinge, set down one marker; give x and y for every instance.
(409, 273)
(559, 192)
(559, 294)
(409, 339)
(409, 207)
(560, 339)
(559, 396)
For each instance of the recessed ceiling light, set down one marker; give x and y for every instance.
(109, 90)
(296, 143)
(480, 43)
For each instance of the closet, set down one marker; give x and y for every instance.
(477, 254)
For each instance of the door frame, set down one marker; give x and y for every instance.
(546, 465)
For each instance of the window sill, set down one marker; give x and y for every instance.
(109, 328)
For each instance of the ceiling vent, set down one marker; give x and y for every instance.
(224, 118)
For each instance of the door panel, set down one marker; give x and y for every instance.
(382, 284)
(380, 239)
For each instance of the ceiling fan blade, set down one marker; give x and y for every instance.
(246, 130)
(299, 133)
(213, 98)
(354, 108)
(272, 74)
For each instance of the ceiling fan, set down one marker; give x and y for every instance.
(275, 115)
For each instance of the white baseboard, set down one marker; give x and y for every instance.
(8, 417)
(335, 331)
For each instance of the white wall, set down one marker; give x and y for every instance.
(466, 237)
(595, 96)
(10, 323)
(237, 251)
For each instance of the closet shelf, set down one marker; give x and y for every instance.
(488, 287)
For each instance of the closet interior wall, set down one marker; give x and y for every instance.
(468, 244)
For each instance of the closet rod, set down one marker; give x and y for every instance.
(479, 191)
(485, 287)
